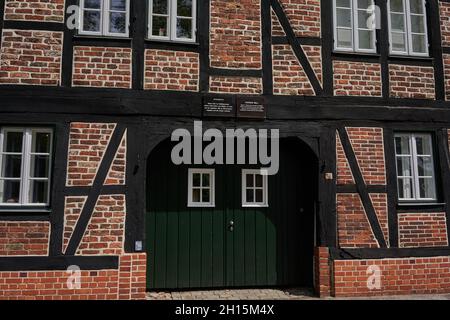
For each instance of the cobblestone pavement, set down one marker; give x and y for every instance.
(269, 294)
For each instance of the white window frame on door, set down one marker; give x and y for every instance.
(172, 17)
(25, 178)
(265, 189)
(354, 30)
(105, 21)
(201, 204)
(408, 31)
(414, 167)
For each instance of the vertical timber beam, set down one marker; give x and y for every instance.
(138, 27)
(267, 72)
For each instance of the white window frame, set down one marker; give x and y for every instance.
(25, 178)
(408, 33)
(354, 28)
(414, 168)
(265, 188)
(172, 23)
(211, 203)
(105, 21)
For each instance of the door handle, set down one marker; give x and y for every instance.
(231, 225)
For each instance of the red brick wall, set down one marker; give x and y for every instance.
(238, 85)
(88, 142)
(411, 82)
(379, 202)
(24, 238)
(398, 276)
(171, 70)
(289, 78)
(344, 174)
(235, 36)
(304, 16)
(322, 275)
(368, 146)
(31, 57)
(422, 230)
(446, 61)
(117, 171)
(101, 67)
(445, 22)
(357, 79)
(72, 210)
(353, 227)
(106, 229)
(128, 282)
(35, 10)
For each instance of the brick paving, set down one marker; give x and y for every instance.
(269, 294)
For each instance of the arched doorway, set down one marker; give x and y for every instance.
(228, 243)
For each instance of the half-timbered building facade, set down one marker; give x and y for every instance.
(92, 207)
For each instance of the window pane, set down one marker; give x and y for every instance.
(259, 181)
(364, 19)
(402, 145)
(195, 195)
(117, 22)
(206, 196)
(184, 28)
(426, 186)
(159, 27)
(423, 145)
(405, 188)
(343, 3)
(364, 4)
(416, 6)
(39, 166)
(196, 179)
(250, 197)
(419, 44)
(13, 142)
(160, 6)
(41, 142)
(11, 166)
(398, 42)
(91, 21)
(425, 166)
(9, 191)
(365, 38)
(344, 38)
(397, 6)
(205, 180)
(38, 192)
(417, 24)
(404, 166)
(344, 18)
(249, 180)
(118, 5)
(398, 22)
(184, 8)
(259, 196)
(92, 4)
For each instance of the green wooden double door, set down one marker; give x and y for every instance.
(229, 245)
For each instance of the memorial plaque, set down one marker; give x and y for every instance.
(219, 107)
(251, 108)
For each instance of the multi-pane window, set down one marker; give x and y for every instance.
(408, 27)
(105, 17)
(354, 29)
(173, 20)
(254, 188)
(201, 188)
(25, 162)
(415, 167)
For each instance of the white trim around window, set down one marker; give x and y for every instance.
(350, 22)
(25, 170)
(201, 188)
(254, 188)
(104, 12)
(409, 29)
(415, 167)
(168, 16)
